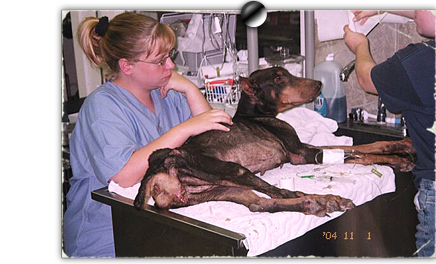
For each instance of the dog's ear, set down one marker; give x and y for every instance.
(144, 194)
(279, 77)
(246, 86)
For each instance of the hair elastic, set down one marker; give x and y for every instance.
(102, 26)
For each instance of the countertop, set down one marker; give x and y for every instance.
(371, 126)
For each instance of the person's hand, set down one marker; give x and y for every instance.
(364, 15)
(353, 39)
(177, 83)
(209, 120)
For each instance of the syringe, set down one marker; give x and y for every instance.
(335, 179)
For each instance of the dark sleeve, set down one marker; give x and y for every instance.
(406, 81)
(393, 85)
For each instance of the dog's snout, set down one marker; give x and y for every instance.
(317, 87)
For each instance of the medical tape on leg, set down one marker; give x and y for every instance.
(332, 156)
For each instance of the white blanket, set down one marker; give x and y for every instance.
(314, 129)
(266, 231)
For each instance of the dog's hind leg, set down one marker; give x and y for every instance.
(250, 180)
(223, 173)
(319, 205)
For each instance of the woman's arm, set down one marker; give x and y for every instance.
(196, 101)
(204, 119)
(137, 165)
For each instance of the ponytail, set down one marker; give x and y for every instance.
(90, 41)
(128, 35)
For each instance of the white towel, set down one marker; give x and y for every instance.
(266, 231)
(371, 23)
(314, 129)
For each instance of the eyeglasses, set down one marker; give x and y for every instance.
(171, 55)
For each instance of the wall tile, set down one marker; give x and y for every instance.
(385, 40)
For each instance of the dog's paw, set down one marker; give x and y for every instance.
(404, 146)
(322, 205)
(405, 166)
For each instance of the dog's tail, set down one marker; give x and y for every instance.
(155, 164)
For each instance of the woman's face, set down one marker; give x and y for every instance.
(155, 70)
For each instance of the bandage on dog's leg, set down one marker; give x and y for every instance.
(333, 156)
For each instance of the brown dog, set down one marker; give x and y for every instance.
(220, 166)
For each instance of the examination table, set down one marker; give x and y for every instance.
(383, 227)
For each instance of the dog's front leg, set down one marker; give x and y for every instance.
(381, 152)
(298, 152)
(395, 162)
(306, 155)
(403, 147)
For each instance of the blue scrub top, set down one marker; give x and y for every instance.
(111, 125)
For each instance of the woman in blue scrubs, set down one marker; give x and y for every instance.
(146, 107)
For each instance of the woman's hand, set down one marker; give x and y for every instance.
(196, 101)
(177, 83)
(209, 120)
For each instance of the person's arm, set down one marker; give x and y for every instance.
(363, 16)
(204, 119)
(359, 45)
(196, 101)
(137, 165)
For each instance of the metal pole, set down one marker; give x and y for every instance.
(253, 49)
(309, 28)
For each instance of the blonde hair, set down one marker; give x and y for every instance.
(129, 35)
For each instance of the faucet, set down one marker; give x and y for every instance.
(381, 112)
(346, 71)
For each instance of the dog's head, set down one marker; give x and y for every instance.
(166, 190)
(161, 183)
(273, 90)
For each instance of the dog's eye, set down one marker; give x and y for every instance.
(278, 79)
